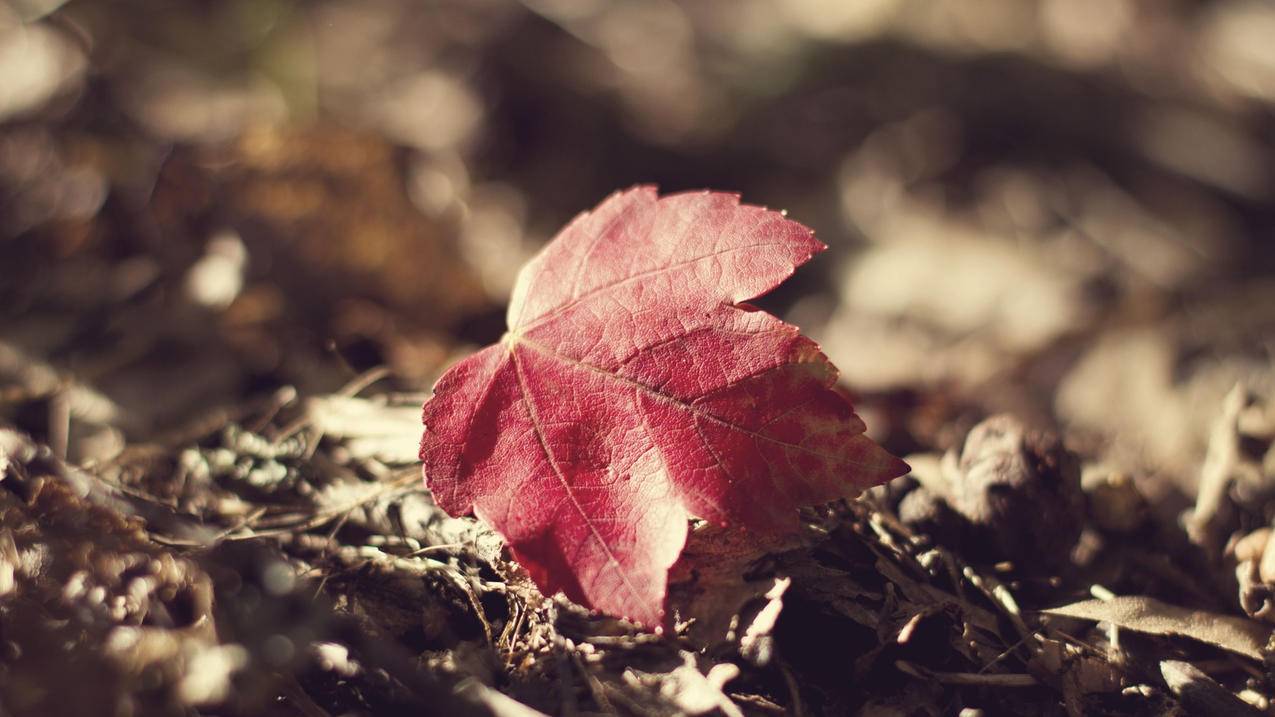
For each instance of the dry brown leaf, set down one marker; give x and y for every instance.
(712, 584)
(1087, 672)
(1151, 616)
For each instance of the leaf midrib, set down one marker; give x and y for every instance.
(533, 415)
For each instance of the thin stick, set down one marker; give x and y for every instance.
(968, 678)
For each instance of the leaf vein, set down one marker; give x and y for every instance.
(562, 478)
(689, 407)
(557, 311)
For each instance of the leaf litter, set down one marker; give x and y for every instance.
(207, 508)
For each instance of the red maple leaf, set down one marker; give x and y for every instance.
(634, 390)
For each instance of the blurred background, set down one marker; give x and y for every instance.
(218, 216)
(1061, 208)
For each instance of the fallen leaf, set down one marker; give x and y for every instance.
(1148, 615)
(1087, 672)
(721, 577)
(634, 390)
